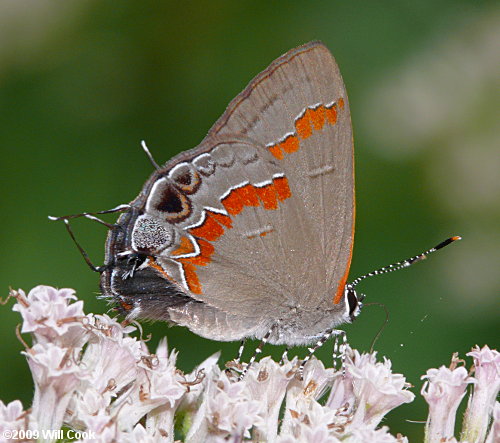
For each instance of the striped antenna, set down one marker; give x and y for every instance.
(90, 216)
(405, 263)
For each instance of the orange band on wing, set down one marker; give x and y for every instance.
(215, 224)
(303, 125)
(290, 144)
(282, 189)
(210, 229)
(248, 195)
(186, 247)
(268, 196)
(276, 151)
(318, 117)
(232, 203)
(190, 275)
(331, 114)
(313, 119)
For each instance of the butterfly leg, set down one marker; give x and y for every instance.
(339, 351)
(234, 366)
(284, 357)
(240, 352)
(257, 352)
(326, 335)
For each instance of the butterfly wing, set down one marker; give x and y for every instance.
(298, 109)
(257, 221)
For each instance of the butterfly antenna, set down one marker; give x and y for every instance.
(90, 216)
(150, 156)
(405, 263)
(83, 252)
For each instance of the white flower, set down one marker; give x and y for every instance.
(12, 416)
(231, 411)
(110, 360)
(48, 314)
(482, 400)
(111, 385)
(443, 391)
(494, 435)
(56, 375)
(162, 390)
(192, 405)
(375, 388)
(267, 383)
(141, 435)
(368, 434)
(309, 421)
(302, 411)
(342, 394)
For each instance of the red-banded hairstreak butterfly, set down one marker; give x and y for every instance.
(250, 234)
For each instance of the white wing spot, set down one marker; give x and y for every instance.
(320, 171)
(259, 232)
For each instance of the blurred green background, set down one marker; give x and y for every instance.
(82, 82)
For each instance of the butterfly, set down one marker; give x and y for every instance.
(250, 234)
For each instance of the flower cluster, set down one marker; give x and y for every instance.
(92, 375)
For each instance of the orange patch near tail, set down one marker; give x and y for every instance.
(126, 306)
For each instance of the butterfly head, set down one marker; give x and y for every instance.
(353, 303)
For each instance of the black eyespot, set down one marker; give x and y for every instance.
(184, 179)
(170, 201)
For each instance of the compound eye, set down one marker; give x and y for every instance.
(354, 303)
